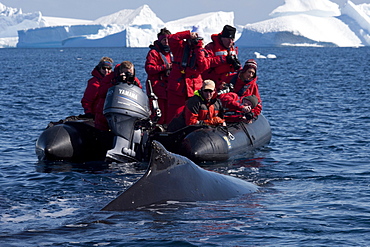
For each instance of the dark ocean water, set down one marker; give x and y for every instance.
(314, 175)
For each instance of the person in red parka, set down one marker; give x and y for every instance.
(223, 45)
(158, 66)
(89, 99)
(244, 83)
(202, 109)
(237, 109)
(190, 59)
(123, 73)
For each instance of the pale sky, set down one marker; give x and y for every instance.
(245, 11)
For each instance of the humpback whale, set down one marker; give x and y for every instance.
(172, 177)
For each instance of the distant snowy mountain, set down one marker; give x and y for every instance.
(297, 22)
(310, 23)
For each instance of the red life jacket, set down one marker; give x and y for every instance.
(219, 50)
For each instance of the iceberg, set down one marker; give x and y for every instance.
(12, 19)
(53, 36)
(358, 18)
(309, 23)
(126, 28)
(209, 23)
(295, 23)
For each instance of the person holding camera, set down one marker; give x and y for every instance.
(222, 45)
(241, 85)
(238, 109)
(123, 73)
(190, 60)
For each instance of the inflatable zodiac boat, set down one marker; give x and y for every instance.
(127, 111)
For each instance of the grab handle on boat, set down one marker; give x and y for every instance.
(231, 136)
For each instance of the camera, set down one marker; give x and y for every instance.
(196, 40)
(126, 77)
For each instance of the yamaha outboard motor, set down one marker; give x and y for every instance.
(125, 104)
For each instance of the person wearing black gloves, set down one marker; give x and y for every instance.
(239, 109)
(222, 45)
(241, 85)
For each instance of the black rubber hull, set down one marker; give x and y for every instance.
(74, 142)
(202, 143)
(222, 143)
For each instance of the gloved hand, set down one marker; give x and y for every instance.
(229, 59)
(234, 61)
(87, 115)
(214, 121)
(249, 115)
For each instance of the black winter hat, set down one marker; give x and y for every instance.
(228, 32)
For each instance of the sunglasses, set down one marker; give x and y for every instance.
(106, 68)
(208, 90)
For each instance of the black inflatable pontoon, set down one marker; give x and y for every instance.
(127, 111)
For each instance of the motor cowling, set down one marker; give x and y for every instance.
(125, 104)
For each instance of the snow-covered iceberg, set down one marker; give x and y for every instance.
(209, 23)
(126, 28)
(358, 18)
(296, 22)
(309, 23)
(12, 19)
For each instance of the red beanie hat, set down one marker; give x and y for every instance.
(250, 63)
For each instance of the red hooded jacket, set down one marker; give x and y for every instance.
(155, 67)
(89, 100)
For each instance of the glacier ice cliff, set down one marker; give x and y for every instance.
(295, 23)
(309, 23)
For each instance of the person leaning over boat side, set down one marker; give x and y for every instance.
(158, 65)
(190, 60)
(223, 45)
(89, 99)
(123, 73)
(237, 109)
(244, 84)
(202, 108)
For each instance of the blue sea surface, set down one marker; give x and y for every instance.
(314, 176)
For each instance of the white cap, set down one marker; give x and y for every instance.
(199, 31)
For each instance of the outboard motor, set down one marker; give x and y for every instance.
(125, 104)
